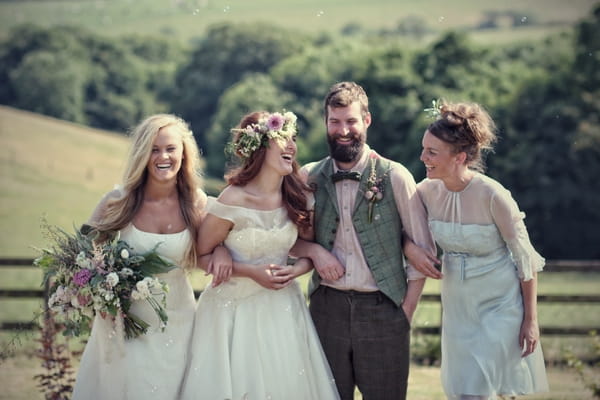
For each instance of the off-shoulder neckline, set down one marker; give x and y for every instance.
(246, 208)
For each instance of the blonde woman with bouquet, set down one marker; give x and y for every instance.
(157, 207)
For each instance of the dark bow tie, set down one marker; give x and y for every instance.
(341, 175)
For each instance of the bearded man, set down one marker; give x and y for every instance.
(362, 293)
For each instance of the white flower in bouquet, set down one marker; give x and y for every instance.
(83, 261)
(135, 295)
(112, 279)
(143, 289)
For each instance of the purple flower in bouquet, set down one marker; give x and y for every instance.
(82, 277)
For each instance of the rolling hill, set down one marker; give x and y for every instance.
(52, 169)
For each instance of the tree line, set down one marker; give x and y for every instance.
(543, 94)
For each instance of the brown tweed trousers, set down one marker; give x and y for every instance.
(366, 339)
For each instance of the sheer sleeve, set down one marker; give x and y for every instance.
(509, 220)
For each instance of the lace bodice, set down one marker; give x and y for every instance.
(479, 220)
(257, 236)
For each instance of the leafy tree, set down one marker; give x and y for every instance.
(160, 58)
(223, 57)
(548, 161)
(448, 61)
(308, 76)
(393, 90)
(50, 84)
(70, 73)
(255, 92)
(26, 39)
(116, 93)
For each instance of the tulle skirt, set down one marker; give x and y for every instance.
(253, 343)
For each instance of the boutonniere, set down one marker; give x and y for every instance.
(375, 185)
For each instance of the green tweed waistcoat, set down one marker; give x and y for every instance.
(380, 239)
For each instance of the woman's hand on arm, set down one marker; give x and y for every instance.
(273, 276)
(270, 276)
(212, 256)
(420, 259)
(326, 264)
(220, 265)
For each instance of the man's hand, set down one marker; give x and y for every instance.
(326, 264)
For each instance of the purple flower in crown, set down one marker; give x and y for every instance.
(276, 126)
(82, 277)
(275, 122)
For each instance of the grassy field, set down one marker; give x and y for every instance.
(51, 169)
(186, 19)
(16, 380)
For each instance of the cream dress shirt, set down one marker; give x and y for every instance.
(347, 248)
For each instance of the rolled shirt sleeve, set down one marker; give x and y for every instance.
(412, 213)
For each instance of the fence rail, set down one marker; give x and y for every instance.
(553, 266)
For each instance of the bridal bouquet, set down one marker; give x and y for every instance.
(89, 276)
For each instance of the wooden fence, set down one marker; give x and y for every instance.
(552, 266)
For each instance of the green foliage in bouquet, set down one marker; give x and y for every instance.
(93, 272)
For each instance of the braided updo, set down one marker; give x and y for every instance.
(465, 127)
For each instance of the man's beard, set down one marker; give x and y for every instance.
(344, 153)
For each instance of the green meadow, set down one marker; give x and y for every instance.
(188, 19)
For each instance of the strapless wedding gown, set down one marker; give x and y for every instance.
(151, 366)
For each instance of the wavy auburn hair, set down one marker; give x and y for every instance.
(293, 189)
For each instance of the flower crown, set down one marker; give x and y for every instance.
(280, 127)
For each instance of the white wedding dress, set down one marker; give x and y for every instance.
(253, 343)
(152, 366)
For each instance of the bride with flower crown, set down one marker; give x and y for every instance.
(253, 336)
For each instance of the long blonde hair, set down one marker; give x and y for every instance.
(121, 210)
